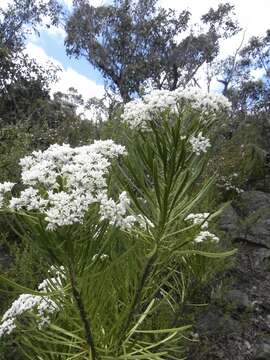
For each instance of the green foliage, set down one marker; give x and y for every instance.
(14, 144)
(21, 262)
(21, 14)
(49, 122)
(239, 156)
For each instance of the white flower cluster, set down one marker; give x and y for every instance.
(227, 183)
(43, 304)
(199, 143)
(200, 220)
(206, 235)
(63, 182)
(101, 257)
(55, 281)
(5, 188)
(116, 213)
(138, 112)
(83, 166)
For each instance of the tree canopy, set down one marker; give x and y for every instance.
(136, 42)
(246, 76)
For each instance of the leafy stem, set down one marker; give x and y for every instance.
(85, 319)
(137, 297)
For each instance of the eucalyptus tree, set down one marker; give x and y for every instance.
(134, 42)
(22, 80)
(20, 18)
(246, 76)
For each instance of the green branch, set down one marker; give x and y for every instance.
(85, 319)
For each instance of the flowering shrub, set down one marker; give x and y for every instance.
(116, 224)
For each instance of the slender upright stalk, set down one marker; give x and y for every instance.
(137, 298)
(84, 317)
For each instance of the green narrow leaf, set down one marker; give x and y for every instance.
(206, 254)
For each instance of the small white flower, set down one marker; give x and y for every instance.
(199, 219)
(5, 188)
(7, 327)
(206, 235)
(43, 304)
(116, 213)
(199, 144)
(102, 257)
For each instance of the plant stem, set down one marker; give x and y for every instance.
(137, 297)
(85, 319)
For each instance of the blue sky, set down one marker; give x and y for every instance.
(49, 46)
(54, 47)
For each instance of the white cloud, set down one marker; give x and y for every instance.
(258, 73)
(37, 53)
(71, 78)
(4, 3)
(253, 15)
(67, 77)
(68, 3)
(57, 32)
(197, 8)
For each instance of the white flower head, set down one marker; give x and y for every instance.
(206, 235)
(199, 143)
(198, 219)
(62, 182)
(43, 305)
(116, 213)
(138, 112)
(5, 188)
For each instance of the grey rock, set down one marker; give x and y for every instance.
(214, 322)
(263, 350)
(249, 218)
(237, 298)
(261, 257)
(229, 220)
(255, 228)
(252, 201)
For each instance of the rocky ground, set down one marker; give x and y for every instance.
(236, 324)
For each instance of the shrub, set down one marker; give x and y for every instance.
(116, 226)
